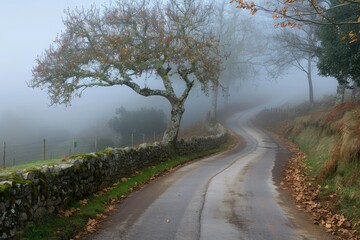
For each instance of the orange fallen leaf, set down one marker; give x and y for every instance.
(84, 202)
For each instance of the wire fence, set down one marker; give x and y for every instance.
(47, 149)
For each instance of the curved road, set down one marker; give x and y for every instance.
(226, 196)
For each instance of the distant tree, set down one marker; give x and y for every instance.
(102, 143)
(298, 48)
(143, 123)
(133, 39)
(236, 34)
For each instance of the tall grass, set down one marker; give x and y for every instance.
(332, 145)
(330, 137)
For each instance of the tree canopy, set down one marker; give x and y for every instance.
(340, 48)
(130, 42)
(294, 13)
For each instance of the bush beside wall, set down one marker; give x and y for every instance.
(27, 195)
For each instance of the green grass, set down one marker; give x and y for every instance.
(318, 146)
(350, 201)
(56, 227)
(330, 139)
(50, 162)
(32, 164)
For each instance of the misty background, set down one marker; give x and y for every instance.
(28, 27)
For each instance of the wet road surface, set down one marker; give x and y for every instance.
(226, 196)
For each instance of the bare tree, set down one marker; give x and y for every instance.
(240, 44)
(127, 43)
(299, 48)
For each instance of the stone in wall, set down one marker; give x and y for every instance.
(28, 195)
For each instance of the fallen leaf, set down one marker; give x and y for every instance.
(328, 225)
(68, 212)
(110, 208)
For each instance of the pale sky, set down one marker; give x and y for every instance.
(30, 26)
(27, 28)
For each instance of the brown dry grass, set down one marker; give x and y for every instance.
(330, 165)
(339, 110)
(306, 192)
(331, 139)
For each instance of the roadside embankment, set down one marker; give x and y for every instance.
(324, 170)
(29, 194)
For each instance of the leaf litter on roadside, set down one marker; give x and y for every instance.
(306, 195)
(68, 212)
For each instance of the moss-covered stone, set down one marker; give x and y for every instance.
(15, 178)
(5, 189)
(107, 151)
(86, 156)
(37, 190)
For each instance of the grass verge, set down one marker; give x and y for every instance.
(82, 214)
(330, 138)
(340, 185)
(32, 164)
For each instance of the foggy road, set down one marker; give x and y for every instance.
(226, 196)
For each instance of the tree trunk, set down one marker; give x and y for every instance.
(309, 76)
(226, 96)
(172, 130)
(214, 99)
(355, 94)
(340, 93)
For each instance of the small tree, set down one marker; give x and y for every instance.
(133, 39)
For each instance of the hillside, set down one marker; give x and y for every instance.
(330, 139)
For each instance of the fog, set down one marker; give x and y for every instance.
(28, 27)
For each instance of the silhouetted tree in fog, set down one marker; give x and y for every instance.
(299, 48)
(138, 124)
(242, 46)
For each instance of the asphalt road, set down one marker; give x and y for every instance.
(227, 196)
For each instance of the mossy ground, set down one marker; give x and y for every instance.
(4, 189)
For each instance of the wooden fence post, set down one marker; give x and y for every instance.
(4, 155)
(44, 149)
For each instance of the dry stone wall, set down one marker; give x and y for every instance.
(27, 195)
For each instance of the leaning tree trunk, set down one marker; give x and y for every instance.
(172, 130)
(309, 77)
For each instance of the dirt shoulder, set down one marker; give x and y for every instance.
(299, 193)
